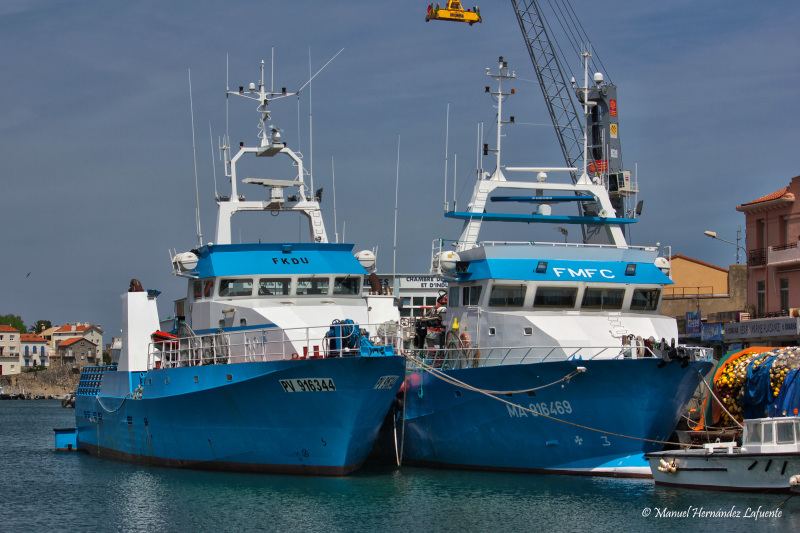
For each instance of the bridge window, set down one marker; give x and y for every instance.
(507, 296)
(599, 298)
(235, 287)
(645, 299)
(555, 297)
(453, 300)
(472, 294)
(274, 286)
(350, 285)
(309, 286)
(203, 288)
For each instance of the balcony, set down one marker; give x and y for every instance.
(757, 257)
(785, 254)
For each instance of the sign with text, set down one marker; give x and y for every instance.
(770, 327)
(693, 324)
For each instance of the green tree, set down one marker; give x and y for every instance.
(41, 325)
(14, 321)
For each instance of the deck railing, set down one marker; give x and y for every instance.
(275, 344)
(456, 357)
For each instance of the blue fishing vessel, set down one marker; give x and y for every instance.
(276, 362)
(547, 357)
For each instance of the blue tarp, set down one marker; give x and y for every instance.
(789, 396)
(757, 390)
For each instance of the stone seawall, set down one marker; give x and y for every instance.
(56, 382)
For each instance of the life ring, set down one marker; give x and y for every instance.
(465, 340)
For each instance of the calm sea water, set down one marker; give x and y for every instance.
(44, 490)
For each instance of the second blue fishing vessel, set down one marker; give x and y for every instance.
(547, 357)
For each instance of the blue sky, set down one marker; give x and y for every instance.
(96, 140)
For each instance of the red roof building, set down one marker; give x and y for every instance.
(773, 257)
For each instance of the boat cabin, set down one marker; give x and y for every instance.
(771, 435)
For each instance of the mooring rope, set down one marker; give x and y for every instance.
(491, 394)
(97, 397)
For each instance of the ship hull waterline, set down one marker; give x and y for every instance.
(245, 416)
(590, 418)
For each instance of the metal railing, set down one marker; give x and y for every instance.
(457, 357)
(757, 257)
(688, 292)
(275, 344)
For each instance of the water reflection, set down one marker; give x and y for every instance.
(45, 490)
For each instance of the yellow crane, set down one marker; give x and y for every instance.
(453, 11)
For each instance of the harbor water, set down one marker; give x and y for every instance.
(44, 490)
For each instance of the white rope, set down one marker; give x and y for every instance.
(97, 397)
(453, 381)
(711, 393)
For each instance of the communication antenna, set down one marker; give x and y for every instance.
(396, 189)
(446, 141)
(310, 129)
(333, 178)
(455, 176)
(194, 154)
(213, 162)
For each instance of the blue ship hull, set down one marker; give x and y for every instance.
(453, 427)
(245, 417)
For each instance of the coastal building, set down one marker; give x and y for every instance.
(417, 293)
(34, 351)
(718, 293)
(77, 351)
(9, 350)
(47, 335)
(773, 258)
(703, 298)
(86, 331)
(773, 271)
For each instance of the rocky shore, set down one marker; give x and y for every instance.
(56, 382)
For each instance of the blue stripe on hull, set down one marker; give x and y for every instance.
(249, 423)
(453, 427)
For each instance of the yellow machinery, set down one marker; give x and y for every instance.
(454, 12)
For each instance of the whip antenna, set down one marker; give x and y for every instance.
(194, 154)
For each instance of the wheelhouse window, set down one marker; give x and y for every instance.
(507, 296)
(555, 297)
(235, 287)
(453, 300)
(203, 288)
(351, 285)
(600, 298)
(309, 286)
(645, 299)
(471, 294)
(274, 286)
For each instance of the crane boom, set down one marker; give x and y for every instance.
(604, 155)
(557, 93)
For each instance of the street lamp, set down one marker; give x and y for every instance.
(713, 235)
(563, 231)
